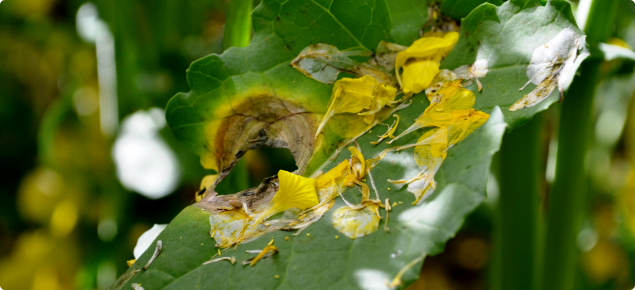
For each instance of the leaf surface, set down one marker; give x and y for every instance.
(315, 259)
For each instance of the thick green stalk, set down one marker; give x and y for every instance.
(517, 221)
(237, 24)
(566, 204)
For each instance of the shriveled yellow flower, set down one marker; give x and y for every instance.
(294, 191)
(358, 163)
(421, 61)
(333, 175)
(433, 145)
(356, 96)
(384, 95)
(448, 105)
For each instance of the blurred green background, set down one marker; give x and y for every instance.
(88, 164)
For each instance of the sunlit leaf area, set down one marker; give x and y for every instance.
(317, 144)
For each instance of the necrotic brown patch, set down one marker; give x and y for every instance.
(264, 121)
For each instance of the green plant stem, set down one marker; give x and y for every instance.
(238, 24)
(566, 204)
(516, 220)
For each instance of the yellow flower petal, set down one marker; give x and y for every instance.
(466, 124)
(448, 105)
(427, 48)
(418, 76)
(364, 96)
(350, 96)
(294, 191)
(130, 262)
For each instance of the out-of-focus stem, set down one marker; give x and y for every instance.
(516, 235)
(566, 203)
(237, 24)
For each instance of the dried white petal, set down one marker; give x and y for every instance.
(230, 259)
(551, 65)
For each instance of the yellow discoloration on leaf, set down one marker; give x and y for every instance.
(355, 223)
(206, 182)
(227, 227)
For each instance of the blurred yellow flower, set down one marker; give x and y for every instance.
(64, 218)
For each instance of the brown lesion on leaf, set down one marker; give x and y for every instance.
(249, 200)
(262, 121)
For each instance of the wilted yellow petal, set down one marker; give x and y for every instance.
(349, 96)
(267, 249)
(333, 175)
(384, 95)
(358, 163)
(427, 48)
(435, 147)
(444, 108)
(355, 223)
(466, 123)
(389, 133)
(417, 76)
(294, 191)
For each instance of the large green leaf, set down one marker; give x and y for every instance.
(506, 36)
